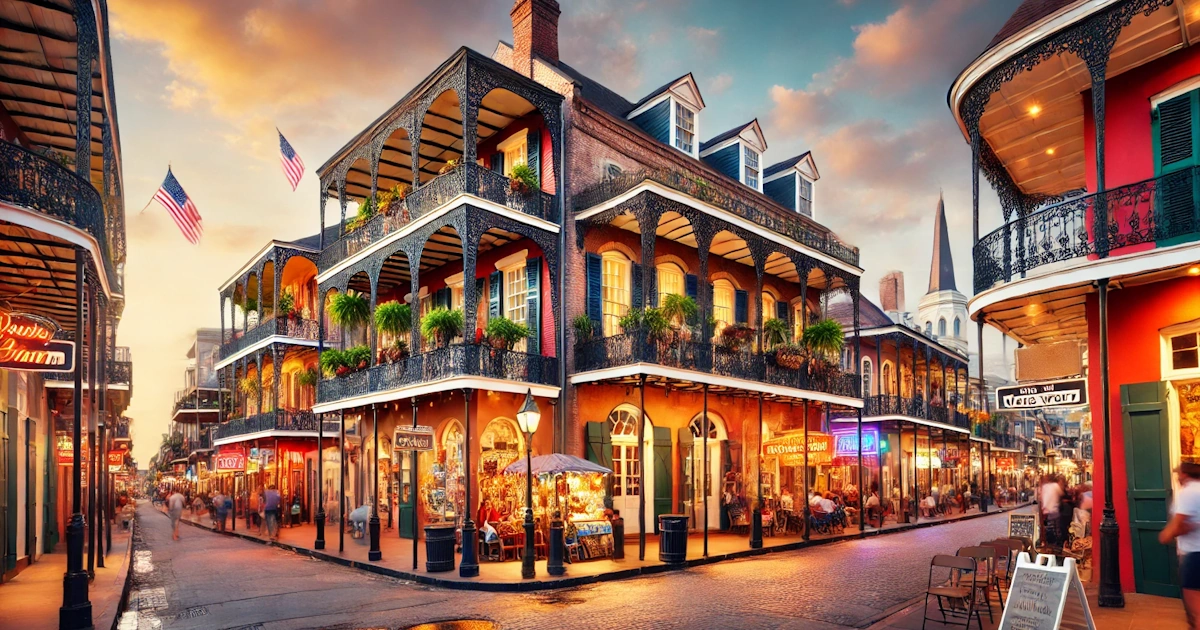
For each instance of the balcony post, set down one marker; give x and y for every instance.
(756, 533)
(805, 510)
(470, 297)
(342, 203)
(1095, 52)
(468, 566)
(319, 543)
(374, 554)
(803, 273)
(321, 232)
(926, 395)
(704, 482)
(912, 393)
(76, 610)
(83, 91)
(342, 482)
(649, 275)
(372, 334)
(414, 346)
(704, 289)
(899, 394)
(641, 437)
(93, 307)
(276, 372)
(1110, 559)
(982, 379)
(854, 298)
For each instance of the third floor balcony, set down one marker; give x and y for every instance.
(916, 407)
(292, 328)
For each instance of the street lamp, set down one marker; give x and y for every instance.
(528, 418)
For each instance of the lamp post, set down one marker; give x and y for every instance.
(528, 418)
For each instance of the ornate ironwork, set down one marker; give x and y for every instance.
(794, 228)
(703, 357)
(119, 373)
(41, 184)
(1144, 213)
(277, 420)
(281, 326)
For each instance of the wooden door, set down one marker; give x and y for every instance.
(1148, 471)
(663, 501)
(31, 489)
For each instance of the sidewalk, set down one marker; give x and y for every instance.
(32, 599)
(397, 560)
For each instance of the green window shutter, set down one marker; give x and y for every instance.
(1174, 132)
(1176, 137)
(533, 275)
(663, 482)
(534, 141)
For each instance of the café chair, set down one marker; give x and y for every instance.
(955, 599)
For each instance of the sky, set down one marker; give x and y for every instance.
(202, 84)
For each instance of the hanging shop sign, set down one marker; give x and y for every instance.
(418, 438)
(231, 459)
(790, 449)
(1004, 463)
(116, 461)
(64, 446)
(845, 442)
(27, 343)
(1065, 393)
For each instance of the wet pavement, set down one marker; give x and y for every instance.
(206, 580)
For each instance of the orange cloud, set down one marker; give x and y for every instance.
(801, 113)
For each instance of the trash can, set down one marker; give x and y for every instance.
(439, 548)
(618, 533)
(672, 543)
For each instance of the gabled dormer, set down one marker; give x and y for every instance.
(791, 182)
(738, 153)
(672, 114)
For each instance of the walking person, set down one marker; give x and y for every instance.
(175, 504)
(271, 505)
(1184, 529)
(1049, 498)
(252, 514)
(220, 510)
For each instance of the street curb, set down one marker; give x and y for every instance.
(123, 603)
(569, 582)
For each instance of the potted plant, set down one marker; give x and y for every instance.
(789, 356)
(251, 387)
(736, 337)
(393, 318)
(441, 325)
(449, 166)
(824, 339)
(503, 333)
(287, 304)
(349, 310)
(775, 332)
(358, 357)
(333, 362)
(390, 200)
(522, 179)
(649, 321)
(308, 378)
(583, 328)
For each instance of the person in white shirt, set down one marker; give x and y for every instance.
(1049, 498)
(1184, 529)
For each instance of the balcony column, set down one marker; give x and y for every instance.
(468, 565)
(276, 289)
(854, 299)
(321, 232)
(470, 297)
(469, 107)
(76, 610)
(945, 394)
(899, 393)
(649, 272)
(259, 365)
(704, 290)
(1110, 560)
(319, 543)
(262, 311)
(414, 346)
(758, 292)
(802, 272)
(926, 395)
(642, 455)
(414, 135)
(913, 390)
(93, 308)
(101, 348)
(1095, 52)
(276, 373)
(976, 140)
(83, 91)
(372, 334)
(342, 203)
(982, 379)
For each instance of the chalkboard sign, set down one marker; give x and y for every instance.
(1039, 594)
(1023, 526)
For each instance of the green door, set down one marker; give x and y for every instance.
(1148, 471)
(663, 501)
(406, 497)
(50, 504)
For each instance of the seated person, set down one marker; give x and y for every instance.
(872, 507)
(785, 501)
(929, 506)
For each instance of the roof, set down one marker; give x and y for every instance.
(310, 242)
(941, 269)
(732, 133)
(786, 164)
(597, 94)
(841, 310)
(659, 91)
(1029, 13)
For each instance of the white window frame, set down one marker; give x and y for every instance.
(516, 145)
(768, 313)
(1169, 373)
(812, 205)
(744, 166)
(719, 288)
(516, 283)
(675, 106)
(797, 319)
(455, 284)
(617, 299)
(672, 272)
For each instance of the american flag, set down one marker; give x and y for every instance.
(293, 166)
(177, 202)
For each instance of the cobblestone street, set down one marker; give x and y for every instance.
(211, 581)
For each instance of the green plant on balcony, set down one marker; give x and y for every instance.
(358, 357)
(252, 388)
(775, 332)
(583, 328)
(333, 362)
(503, 333)
(366, 210)
(679, 310)
(824, 339)
(450, 165)
(736, 337)
(390, 200)
(349, 310)
(308, 378)
(441, 325)
(522, 179)
(250, 305)
(649, 321)
(287, 304)
(395, 319)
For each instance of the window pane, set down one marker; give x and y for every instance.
(685, 127)
(1184, 341)
(1185, 359)
(614, 293)
(670, 281)
(722, 304)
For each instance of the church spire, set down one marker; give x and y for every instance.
(941, 271)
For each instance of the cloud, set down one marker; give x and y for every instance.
(593, 38)
(719, 83)
(181, 96)
(802, 112)
(704, 38)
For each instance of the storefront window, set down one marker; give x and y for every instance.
(442, 489)
(500, 445)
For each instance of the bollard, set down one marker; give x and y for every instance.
(618, 527)
(554, 565)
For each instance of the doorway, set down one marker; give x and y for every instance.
(696, 484)
(628, 460)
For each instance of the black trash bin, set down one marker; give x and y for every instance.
(672, 543)
(618, 532)
(439, 548)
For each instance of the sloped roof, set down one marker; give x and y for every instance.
(786, 164)
(841, 310)
(597, 94)
(658, 92)
(1030, 12)
(725, 135)
(941, 268)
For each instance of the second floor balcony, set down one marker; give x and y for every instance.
(699, 358)
(279, 420)
(915, 407)
(282, 326)
(442, 364)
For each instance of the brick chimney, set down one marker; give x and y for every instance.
(535, 33)
(891, 291)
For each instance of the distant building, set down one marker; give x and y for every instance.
(943, 310)
(891, 291)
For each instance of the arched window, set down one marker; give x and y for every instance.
(722, 304)
(615, 290)
(798, 319)
(768, 306)
(942, 327)
(670, 281)
(887, 383)
(929, 328)
(627, 460)
(866, 376)
(957, 327)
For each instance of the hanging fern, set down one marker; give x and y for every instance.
(825, 338)
(349, 310)
(393, 318)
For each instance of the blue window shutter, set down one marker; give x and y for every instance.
(595, 280)
(741, 306)
(781, 311)
(442, 298)
(533, 274)
(691, 286)
(498, 162)
(534, 140)
(635, 286)
(495, 294)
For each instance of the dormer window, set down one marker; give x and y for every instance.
(685, 128)
(804, 194)
(750, 168)
(791, 182)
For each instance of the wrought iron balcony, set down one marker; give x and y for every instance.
(191, 445)
(278, 420)
(918, 407)
(793, 228)
(39, 183)
(697, 356)
(468, 178)
(1152, 213)
(188, 402)
(276, 326)
(119, 373)
(442, 363)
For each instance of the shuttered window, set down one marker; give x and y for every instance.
(1176, 131)
(615, 294)
(723, 292)
(670, 281)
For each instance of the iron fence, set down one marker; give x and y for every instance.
(277, 420)
(282, 326)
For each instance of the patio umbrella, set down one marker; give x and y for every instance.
(555, 464)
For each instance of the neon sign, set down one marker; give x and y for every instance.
(27, 343)
(845, 442)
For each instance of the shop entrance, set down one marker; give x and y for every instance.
(628, 459)
(691, 444)
(1148, 470)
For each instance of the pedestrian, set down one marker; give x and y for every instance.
(219, 510)
(1184, 529)
(175, 504)
(271, 505)
(252, 513)
(1049, 500)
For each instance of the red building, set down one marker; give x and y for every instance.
(1085, 119)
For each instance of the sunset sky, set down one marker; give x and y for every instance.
(202, 84)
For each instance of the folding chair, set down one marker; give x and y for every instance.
(1015, 547)
(951, 590)
(985, 578)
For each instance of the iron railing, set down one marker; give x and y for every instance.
(914, 407)
(208, 400)
(437, 192)
(276, 326)
(698, 356)
(39, 183)
(277, 420)
(119, 373)
(442, 363)
(203, 441)
(1163, 210)
(794, 228)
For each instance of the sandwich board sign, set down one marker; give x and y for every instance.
(1023, 526)
(1041, 592)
